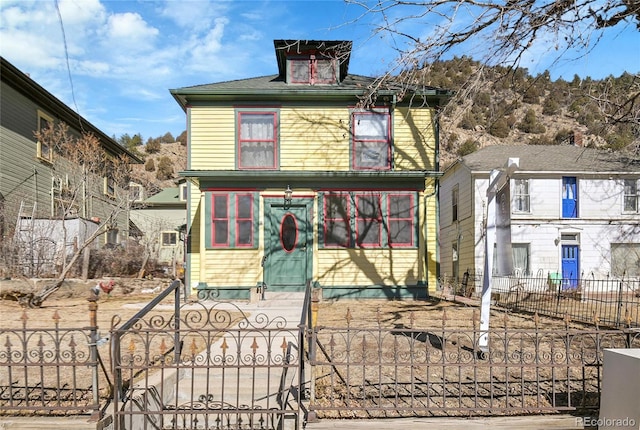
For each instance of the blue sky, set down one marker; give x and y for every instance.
(124, 56)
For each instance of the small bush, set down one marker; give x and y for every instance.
(468, 147)
(165, 169)
(530, 124)
(499, 128)
(150, 165)
(153, 146)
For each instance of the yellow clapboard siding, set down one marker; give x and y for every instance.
(368, 267)
(313, 138)
(212, 138)
(413, 139)
(233, 267)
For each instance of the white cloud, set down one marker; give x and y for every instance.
(194, 15)
(130, 31)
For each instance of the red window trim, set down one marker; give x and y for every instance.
(347, 223)
(213, 221)
(313, 65)
(359, 243)
(409, 218)
(238, 220)
(356, 141)
(274, 114)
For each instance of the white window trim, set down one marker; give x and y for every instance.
(171, 232)
(140, 191)
(49, 119)
(636, 195)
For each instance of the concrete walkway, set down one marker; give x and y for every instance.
(535, 422)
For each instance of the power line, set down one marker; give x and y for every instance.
(66, 55)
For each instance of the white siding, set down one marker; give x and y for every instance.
(600, 221)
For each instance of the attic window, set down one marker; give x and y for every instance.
(311, 70)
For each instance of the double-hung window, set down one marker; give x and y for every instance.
(257, 139)
(44, 149)
(521, 197)
(625, 259)
(369, 220)
(109, 180)
(401, 218)
(371, 140)
(455, 192)
(630, 195)
(233, 220)
(337, 216)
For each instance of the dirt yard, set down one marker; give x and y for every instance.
(72, 305)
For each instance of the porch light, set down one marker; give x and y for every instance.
(287, 196)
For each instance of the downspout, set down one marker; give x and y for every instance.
(436, 127)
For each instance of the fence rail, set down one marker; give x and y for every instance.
(209, 365)
(606, 302)
(50, 370)
(380, 372)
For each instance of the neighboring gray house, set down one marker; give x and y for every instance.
(33, 181)
(162, 220)
(574, 211)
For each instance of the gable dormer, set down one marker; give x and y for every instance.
(313, 62)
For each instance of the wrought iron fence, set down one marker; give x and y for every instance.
(409, 371)
(606, 302)
(209, 365)
(50, 370)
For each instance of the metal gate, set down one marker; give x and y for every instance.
(205, 365)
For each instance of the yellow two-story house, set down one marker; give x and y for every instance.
(312, 177)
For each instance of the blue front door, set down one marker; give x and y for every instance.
(570, 266)
(569, 197)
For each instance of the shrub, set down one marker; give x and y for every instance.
(165, 169)
(530, 124)
(150, 165)
(499, 128)
(468, 147)
(153, 146)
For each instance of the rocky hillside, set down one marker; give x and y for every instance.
(497, 108)
(160, 169)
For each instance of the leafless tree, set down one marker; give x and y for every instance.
(497, 32)
(91, 178)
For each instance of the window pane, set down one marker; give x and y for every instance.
(625, 259)
(400, 220)
(324, 71)
(630, 195)
(372, 155)
(220, 207)
(221, 232)
(521, 195)
(371, 126)
(369, 219)
(257, 154)
(244, 233)
(400, 232)
(244, 206)
(299, 70)
(337, 217)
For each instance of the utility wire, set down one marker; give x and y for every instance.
(66, 55)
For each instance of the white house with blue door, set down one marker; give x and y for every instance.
(574, 212)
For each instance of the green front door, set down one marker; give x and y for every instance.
(288, 247)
